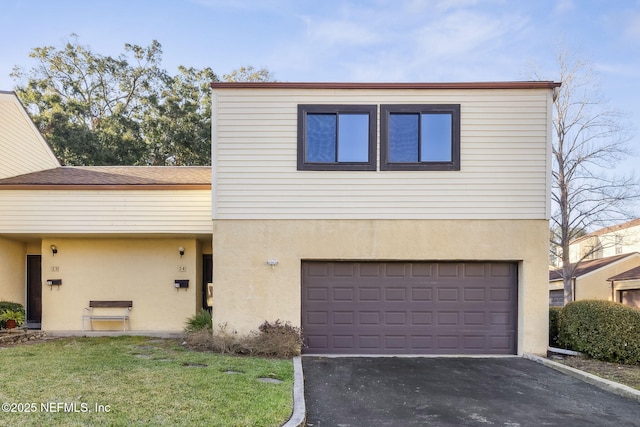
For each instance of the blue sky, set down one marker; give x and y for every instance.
(366, 40)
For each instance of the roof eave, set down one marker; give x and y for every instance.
(389, 85)
(49, 187)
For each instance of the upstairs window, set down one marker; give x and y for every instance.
(337, 137)
(420, 137)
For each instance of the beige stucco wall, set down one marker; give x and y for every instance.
(595, 284)
(248, 291)
(141, 270)
(12, 270)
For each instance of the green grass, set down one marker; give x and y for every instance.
(142, 382)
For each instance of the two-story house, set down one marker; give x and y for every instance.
(608, 241)
(609, 266)
(384, 218)
(70, 235)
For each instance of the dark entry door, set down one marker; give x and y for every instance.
(34, 291)
(207, 277)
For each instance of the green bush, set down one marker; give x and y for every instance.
(10, 306)
(199, 321)
(554, 315)
(602, 330)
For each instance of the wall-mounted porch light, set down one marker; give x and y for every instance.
(272, 263)
(54, 250)
(181, 251)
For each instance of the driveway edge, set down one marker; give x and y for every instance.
(299, 408)
(611, 386)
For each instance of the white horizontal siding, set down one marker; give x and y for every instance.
(105, 211)
(504, 159)
(22, 149)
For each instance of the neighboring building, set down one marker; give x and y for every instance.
(607, 252)
(593, 280)
(22, 148)
(105, 233)
(619, 239)
(626, 287)
(385, 218)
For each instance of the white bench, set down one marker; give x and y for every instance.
(90, 313)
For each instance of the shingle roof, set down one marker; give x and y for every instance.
(633, 274)
(588, 266)
(79, 176)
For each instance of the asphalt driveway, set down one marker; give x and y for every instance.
(391, 391)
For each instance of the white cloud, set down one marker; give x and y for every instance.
(632, 29)
(341, 32)
(564, 6)
(252, 5)
(407, 41)
(464, 32)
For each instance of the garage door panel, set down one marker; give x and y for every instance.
(344, 270)
(317, 317)
(421, 270)
(501, 269)
(421, 318)
(502, 318)
(369, 342)
(448, 270)
(474, 294)
(409, 307)
(474, 270)
(317, 294)
(421, 294)
(369, 295)
(369, 317)
(395, 270)
(343, 294)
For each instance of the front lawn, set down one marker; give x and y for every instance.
(139, 381)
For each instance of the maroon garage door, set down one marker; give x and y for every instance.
(409, 307)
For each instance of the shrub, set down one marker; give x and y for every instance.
(554, 315)
(199, 321)
(277, 339)
(220, 340)
(602, 330)
(10, 306)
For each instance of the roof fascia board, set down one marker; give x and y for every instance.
(373, 85)
(76, 187)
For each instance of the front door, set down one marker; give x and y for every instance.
(34, 291)
(207, 277)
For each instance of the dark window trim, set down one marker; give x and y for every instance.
(386, 110)
(370, 165)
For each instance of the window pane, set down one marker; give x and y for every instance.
(321, 138)
(353, 138)
(403, 138)
(435, 144)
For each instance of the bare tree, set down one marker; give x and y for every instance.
(590, 139)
